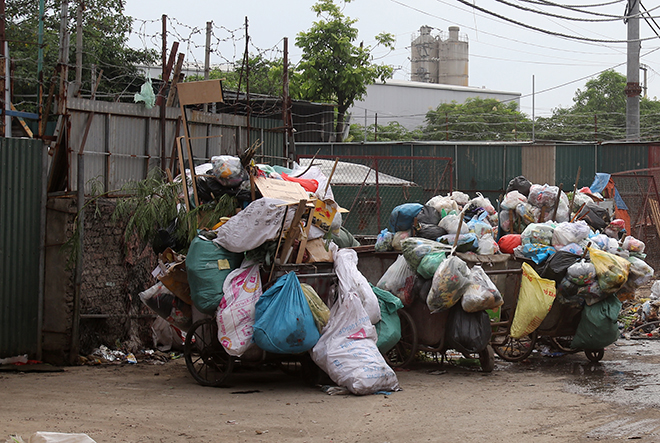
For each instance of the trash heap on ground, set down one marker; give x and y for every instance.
(573, 251)
(233, 270)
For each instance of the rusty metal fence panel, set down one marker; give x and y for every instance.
(639, 191)
(370, 187)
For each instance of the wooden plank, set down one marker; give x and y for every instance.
(195, 93)
(27, 130)
(655, 214)
(305, 235)
(175, 80)
(294, 232)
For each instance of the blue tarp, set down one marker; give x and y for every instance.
(600, 182)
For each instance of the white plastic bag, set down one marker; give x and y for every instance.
(399, 279)
(347, 350)
(59, 437)
(487, 245)
(352, 281)
(482, 293)
(242, 289)
(566, 233)
(439, 203)
(450, 224)
(512, 200)
(259, 222)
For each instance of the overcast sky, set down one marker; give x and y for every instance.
(502, 56)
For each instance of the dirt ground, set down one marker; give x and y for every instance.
(564, 399)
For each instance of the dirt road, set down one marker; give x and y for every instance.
(563, 399)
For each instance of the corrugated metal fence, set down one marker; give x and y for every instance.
(22, 194)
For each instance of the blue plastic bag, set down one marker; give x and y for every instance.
(284, 323)
(537, 252)
(402, 216)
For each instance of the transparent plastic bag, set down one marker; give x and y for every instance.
(543, 195)
(537, 233)
(449, 283)
(439, 203)
(512, 200)
(320, 311)
(398, 238)
(631, 244)
(415, 249)
(384, 241)
(430, 264)
(611, 270)
(581, 273)
(399, 280)
(566, 233)
(228, 170)
(482, 293)
(450, 224)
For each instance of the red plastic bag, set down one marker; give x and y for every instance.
(509, 242)
(310, 185)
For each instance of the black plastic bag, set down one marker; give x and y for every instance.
(556, 266)
(468, 333)
(595, 216)
(431, 232)
(520, 184)
(428, 216)
(421, 288)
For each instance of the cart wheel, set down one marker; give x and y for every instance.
(404, 351)
(564, 344)
(514, 349)
(594, 355)
(487, 359)
(206, 359)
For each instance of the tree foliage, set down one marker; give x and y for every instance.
(393, 131)
(105, 35)
(599, 113)
(477, 119)
(333, 68)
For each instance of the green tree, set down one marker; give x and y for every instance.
(598, 113)
(105, 36)
(393, 131)
(333, 68)
(477, 119)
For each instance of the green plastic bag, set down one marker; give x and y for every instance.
(208, 265)
(389, 326)
(598, 326)
(429, 264)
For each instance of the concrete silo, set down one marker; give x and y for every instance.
(453, 59)
(424, 56)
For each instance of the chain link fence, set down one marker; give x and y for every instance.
(639, 191)
(371, 186)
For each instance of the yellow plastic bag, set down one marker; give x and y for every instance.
(611, 270)
(534, 302)
(320, 311)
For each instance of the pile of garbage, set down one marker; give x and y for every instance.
(572, 250)
(285, 217)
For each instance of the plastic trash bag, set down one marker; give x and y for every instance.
(468, 333)
(466, 242)
(389, 326)
(259, 222)
(528, 213)
(592, 294)
(449, 283)
(461, 198)
(487, 245)
(398, 280)
(59, 437)
(512, 200)
(399, 237)
(482, 293)
(401, 218)
(228, 170)
(520, 184)
(168, 306)
(537, 233)
(543, 195)
(573, 248)
(208, 265)
(479, 226)
(537, 253)
(566, 233)
(146, 94)
(351, 280)
(440, 203)
(450, 224)
(655, 290)
(534, 302)
(284, 323)
(415, 249)
(430, 232)
(631, 244)
(556, 266)
(481, 202)
(429, 264)
(319, 309)
(509, 242)
(348, 353)
(421, 288)
(611, 270)
(640, 272)
(384, 241)
(428, 216)
(235, 318)
(598, 325)
(581, 273)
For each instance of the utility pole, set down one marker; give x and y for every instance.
(633, 89)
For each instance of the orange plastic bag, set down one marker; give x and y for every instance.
(534, 302)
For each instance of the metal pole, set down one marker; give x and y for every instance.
(285, 97)
(7, 91)
(207, 57)
(533, 109)
(40, 63)
(247, 84)
(365, 125)
(633, 90)
(5, 79)
(64, 55)
(79, 48)
(162, 101)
